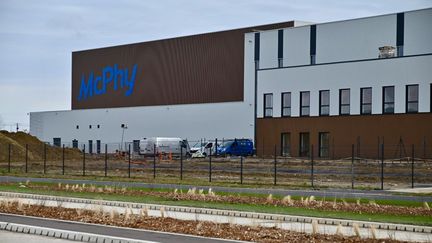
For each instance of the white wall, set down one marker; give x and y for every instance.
(418, 32)
(296, 48)
(222, 120)
(354, 39)
(268, 49)
(354, 75)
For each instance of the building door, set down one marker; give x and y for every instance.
(57, 142)
(90, 146)
(74, 143)
(324, 144)
(285, 144)
(304, 144)
(98, 146)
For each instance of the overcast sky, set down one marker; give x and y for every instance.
(37, 37)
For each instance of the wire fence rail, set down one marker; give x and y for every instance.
(386, 170)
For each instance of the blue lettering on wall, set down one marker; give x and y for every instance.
(111, 76)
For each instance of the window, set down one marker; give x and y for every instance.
(304, 103)
(388, 100)
(366, 101)
(74, 143)
(285, 144)
(90, 146)
(98, 146)
(98, 126)
(344, 102)
(286, 104)
(400, 51)
(412, 97)
(90, 126)
(304, 144)
(313, 60)
(77, 126)
(324, 102)
(268, 105)
(324, 144)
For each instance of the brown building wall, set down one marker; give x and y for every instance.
(365, 132)
(203, 68)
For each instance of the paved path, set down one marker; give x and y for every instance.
(12, 237)
(146, 235)
(329, 193)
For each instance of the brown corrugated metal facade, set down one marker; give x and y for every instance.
(205, 68)
(398, 132)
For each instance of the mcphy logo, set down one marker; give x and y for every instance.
(111, 76)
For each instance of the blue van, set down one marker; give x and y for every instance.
(243, 147)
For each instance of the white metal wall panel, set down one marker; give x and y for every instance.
(296, 50)
(397, 72)
(354, 39)
(418, 32)
(268, 49)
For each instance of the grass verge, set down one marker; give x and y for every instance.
(401, 219)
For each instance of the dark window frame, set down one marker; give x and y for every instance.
(320, 146)
(304, 152)
(323, 106)
(303, 106)
(384, 103)
(288, 153)
(283, 105)
(345, 104)
(265, 105)
(363, 103)
(412, 102)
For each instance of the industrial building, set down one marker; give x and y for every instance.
(294, 84)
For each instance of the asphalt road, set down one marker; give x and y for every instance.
(339, 193)
(146, 235)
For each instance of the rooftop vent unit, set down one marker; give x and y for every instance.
(386, 51)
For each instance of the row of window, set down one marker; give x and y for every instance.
(304, 144)
(388, 102)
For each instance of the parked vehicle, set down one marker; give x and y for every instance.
(202, 150)
(237, 147)
(164, 146)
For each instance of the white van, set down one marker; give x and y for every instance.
(164, 146)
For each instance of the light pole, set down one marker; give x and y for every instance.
(123, 126)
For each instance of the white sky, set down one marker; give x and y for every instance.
(37, 37)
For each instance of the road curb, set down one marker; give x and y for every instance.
(64, 234)
(229, 213)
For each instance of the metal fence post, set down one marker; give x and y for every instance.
(274, 166)
(9, 158)
(154, 161)
(83, 165)
(63, 159)
(312, 166)
(412, 166)
(382, 166)
(45, 158)
(129, 161)
(210, 166)
(216, 147)
(106, 160)
(352, 166)
(26, 159)
(241, 169)
(181, 162)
